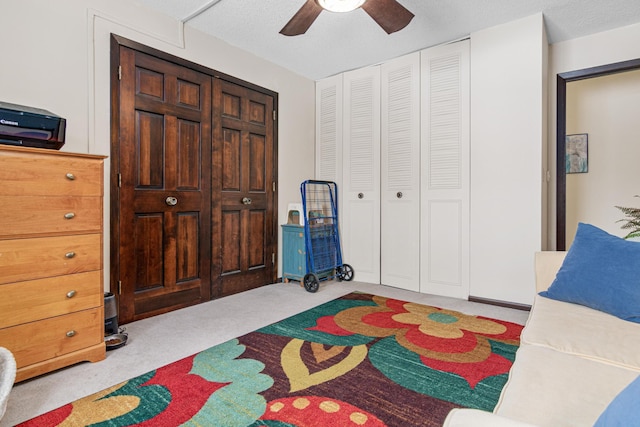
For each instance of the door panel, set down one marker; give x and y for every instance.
(231, 250)
(445, 241)
(165, 192)
(256, 163)
(361, 173)
(244, 254)
(400, 189)
(187, 248)
(148, 231)
(445, 183)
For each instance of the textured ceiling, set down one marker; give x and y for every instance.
(338, 42)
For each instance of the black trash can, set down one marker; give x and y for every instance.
(110, 314)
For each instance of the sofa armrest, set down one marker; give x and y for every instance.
(465, 417)
(547, 264)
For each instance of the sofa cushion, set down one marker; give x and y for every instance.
(465, 417)
(624, 410)
(551, 388)
(600, 271)
(583, 332)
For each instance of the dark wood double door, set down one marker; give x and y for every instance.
(193, 185)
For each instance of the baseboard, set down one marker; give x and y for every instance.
(523, 307)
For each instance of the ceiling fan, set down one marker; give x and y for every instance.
(389, 14)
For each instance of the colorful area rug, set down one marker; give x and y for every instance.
(360, 360)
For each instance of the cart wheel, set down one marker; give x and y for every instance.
(345, 272)
(311, 282)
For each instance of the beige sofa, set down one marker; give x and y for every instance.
(571, 363)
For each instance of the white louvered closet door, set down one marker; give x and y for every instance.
(360, 220)
(400, 184)
(329, 130)
(445, 186)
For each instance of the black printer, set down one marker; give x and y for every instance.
(30, 127)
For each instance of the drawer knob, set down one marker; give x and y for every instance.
(71, 294)
(70, 255)
(69, 215)
(71, 333)
(70, 176)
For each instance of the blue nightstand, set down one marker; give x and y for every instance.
(294, 265)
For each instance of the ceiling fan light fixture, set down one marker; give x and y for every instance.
(340, 5)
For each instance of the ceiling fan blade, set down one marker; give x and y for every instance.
(389, 14)
(302, 20)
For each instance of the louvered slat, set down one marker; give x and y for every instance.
(445, 145)
(361, 134)
(400, 172)
(328, 134)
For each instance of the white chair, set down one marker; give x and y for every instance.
(7, 377)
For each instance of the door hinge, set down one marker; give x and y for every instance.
(119, 72)
(274, 186)
(119, 287)
(273, 258)
(275, 115)
(119, 180)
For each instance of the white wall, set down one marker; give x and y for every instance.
(508, 119)
(591, 51)
(55, 55)
(606, 108)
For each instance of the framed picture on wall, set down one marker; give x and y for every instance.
(577, 153)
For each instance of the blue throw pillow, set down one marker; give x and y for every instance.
(624, 409)
(600, 271)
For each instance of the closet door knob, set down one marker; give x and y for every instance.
(399, 194)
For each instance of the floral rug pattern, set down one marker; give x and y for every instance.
(359, 360)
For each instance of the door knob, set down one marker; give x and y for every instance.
(246, 200)
(171, 201)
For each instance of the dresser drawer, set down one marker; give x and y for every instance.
(38, 341)
(37, 173)
(28, 259)
(24, 302)
(28, 215)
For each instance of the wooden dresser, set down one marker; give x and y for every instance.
(51, 278)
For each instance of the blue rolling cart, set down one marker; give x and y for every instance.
(321, 234)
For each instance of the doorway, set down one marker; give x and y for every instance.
(193, 173)
(561, 131)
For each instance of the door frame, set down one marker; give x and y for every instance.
(561, 130)
(116, 43)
